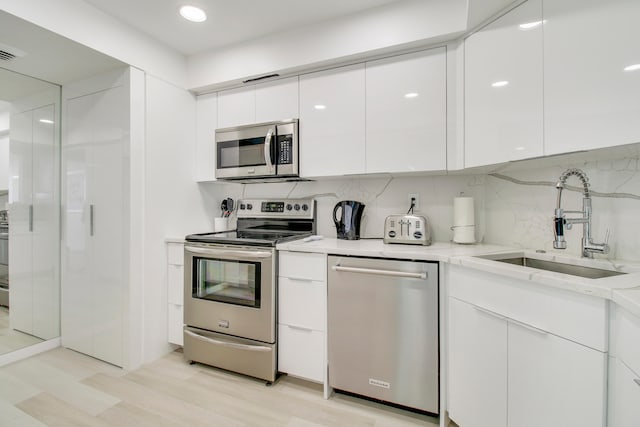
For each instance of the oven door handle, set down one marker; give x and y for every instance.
(228, 344)
(230, 254)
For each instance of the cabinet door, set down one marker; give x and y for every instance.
(206, 124)
(332, 122)
(406, 113)
(20, 232)
(477, 366)
(45, 237)
(301, 352)
(553, 381)
(590, 101)
(277, 100)
(236, 107)
(624, 395)
(503, 88)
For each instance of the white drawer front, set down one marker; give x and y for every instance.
(300, 265)
(577, 317)
(625, 340)
(175, 281)
(175, 324)
(175, 253)
(301, 352)
(302, 303)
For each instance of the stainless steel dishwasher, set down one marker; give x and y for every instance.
(383, 330)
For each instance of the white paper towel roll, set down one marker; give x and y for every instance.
(464, 222)
(463, 213)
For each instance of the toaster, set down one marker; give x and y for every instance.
(407, 229)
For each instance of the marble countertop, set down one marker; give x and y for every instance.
(617, 288)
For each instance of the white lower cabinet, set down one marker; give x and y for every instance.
(624, 369)
(175, 292)
(302, 307)
(505, 367)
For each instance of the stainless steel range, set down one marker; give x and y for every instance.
(230, 286)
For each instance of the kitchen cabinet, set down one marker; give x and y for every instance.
(34, 289)
(503, 88)
(96, 219)
(624, 368)
(277, 100)
(477, 360)
(332, 122)
(406, 113)
(302, 296)
(175, 292)
(531, 354)
(206, 124)
(257, 103)
(590, 101)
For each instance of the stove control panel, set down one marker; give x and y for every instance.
(277, 208)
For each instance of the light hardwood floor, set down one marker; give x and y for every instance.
(64, 388)
(11, 340)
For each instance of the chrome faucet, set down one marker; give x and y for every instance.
(588, 246)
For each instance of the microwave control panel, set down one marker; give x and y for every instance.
(285, 149)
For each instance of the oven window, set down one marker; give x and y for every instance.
(232, 282)
(245, 152)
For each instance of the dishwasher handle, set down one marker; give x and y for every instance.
(375, 271)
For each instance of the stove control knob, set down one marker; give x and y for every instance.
(296, 207)
(242, 207)
(249, 206)
(289, 206)
(305, 207)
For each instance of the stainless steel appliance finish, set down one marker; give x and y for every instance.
(383, 330)
(407, 229)
(4, 258)
(264, 150)
(230, 286)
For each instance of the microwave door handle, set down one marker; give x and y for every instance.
(267, 148)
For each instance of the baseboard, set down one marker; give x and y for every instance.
(32, 350)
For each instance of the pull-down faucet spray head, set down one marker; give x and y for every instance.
(559, 220)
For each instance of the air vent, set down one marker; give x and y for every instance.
(8, 53)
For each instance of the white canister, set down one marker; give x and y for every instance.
(464, 222)
(220, 224)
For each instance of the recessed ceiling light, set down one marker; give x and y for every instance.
(501, 83)
(633, 67)
(320, 107)
(47, 121)
(411, 95)
(530, 25)
(193, 14)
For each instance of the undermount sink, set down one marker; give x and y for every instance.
(557, 267)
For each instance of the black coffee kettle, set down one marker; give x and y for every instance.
(348, 225)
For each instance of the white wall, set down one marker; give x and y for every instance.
(390, 27)
(4, 149)
(173, 205)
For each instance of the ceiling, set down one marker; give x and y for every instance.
(229, 21)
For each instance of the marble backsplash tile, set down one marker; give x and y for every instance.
(514, 207)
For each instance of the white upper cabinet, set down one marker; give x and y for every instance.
(406, 113)
(257, 103)
(206, 124)
(590, 101)
(236, 107)
(277, 100)
(503, 88)
(332, 122)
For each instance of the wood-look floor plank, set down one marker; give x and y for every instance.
(55, 412)
(156, 402)
(125, 414)
(14, 390)
(61, 384)
(14, 417)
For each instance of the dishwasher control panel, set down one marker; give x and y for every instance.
(407, 229)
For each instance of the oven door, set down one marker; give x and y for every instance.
(246, 151)
(230, 290)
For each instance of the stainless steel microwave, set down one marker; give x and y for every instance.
(264, 150)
